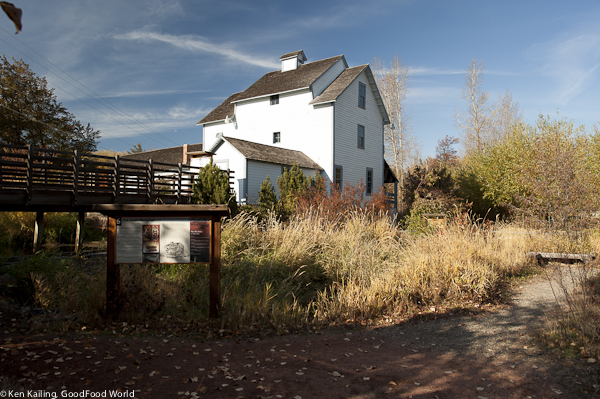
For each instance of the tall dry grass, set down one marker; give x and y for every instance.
(313, 269)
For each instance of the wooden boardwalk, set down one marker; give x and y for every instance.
(46, 180)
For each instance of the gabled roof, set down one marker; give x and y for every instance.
(273, 83)
(342, 82)
(299, 54)
(339, 85)
(172, 155)
(271, 154)
(222, 111)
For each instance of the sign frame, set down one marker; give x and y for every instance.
(212, 213)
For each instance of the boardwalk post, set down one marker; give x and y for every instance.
(29, 174)
(116, 180)
(179, 176)
(79, 231)
(75, 176)
(150, 181)
(215, 267)
(113, 275)
(38, 232)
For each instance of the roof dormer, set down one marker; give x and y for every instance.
(291, 61)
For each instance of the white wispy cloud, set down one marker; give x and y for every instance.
(425, 71)
(425, 95)
(198, 44)
(148, 122)
(146, 93)
(165, 7)
(573, 62)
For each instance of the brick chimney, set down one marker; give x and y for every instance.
(185, 153)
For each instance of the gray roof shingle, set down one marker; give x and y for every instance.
(172, 155)
(272, 83)
(271, 154)
(339, 85)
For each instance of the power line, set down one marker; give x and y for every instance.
(31, 118)
(114, 107)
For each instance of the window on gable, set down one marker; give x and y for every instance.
(369, 181)
(362, 95)
(275, 99)
(276, 137)
(360, 141)
(338, 177)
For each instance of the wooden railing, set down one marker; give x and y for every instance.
(38, 176)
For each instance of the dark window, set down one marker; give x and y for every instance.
(369, 181)
(276, 137)
(362, 95)
(275, 99)
(338, 177)
(360, 142)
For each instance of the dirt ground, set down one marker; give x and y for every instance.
(479, 355)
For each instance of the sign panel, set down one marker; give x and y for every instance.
(168, 240)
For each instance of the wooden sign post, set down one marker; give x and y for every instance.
(158, 234)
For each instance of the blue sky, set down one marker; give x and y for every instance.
(147, 71)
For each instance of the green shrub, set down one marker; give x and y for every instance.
(212, 187)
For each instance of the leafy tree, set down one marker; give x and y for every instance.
(212, 187)
(445, 152)
(430, 182)
(267, 199)
(136, 149)
(30, 113)
(547, 170)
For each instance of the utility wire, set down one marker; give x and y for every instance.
(110, 106)
(31, 118)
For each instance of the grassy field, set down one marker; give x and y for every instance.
(306, 273)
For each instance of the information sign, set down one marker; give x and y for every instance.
(162, 240)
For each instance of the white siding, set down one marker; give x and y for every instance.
(230, 158)
(328, 77)
(303, 127)
(289, 64)
(348, 115)
(210, 131)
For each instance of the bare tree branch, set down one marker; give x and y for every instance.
(401, 147)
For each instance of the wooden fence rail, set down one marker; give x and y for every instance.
(47, 178)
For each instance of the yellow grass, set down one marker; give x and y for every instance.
(311, 270)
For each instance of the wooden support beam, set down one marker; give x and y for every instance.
(79, 231)
(179, 175)
(150, 181)
(215, 267)
(75, 176)
(38, 232)
(113, 272)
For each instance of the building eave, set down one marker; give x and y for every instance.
(271, 94)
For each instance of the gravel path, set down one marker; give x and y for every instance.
(480, 355)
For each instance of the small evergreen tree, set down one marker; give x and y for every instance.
(212, 187)
(291, 183)
(267, 199)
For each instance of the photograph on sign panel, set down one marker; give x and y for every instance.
(200, 241)
(151, 243)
